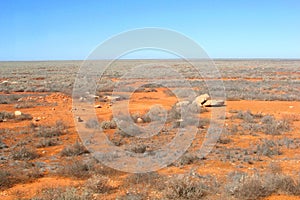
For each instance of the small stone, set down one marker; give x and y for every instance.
(18, 113)
(98, 106)
(139, 120)
(79, 119)
(37, 119)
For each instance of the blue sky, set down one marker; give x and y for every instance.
(70, 30)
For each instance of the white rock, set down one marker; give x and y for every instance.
(214, 103)
(82, 99)
(98, 106)
(139, 120)
(112, 98)
(18, 113)
(91, 96)
(4, 82)
(200, 100)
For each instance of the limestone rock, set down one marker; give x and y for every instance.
(139, 120)
(211, 103)
(18, 113)
(200, 100)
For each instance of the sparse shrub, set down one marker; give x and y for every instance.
(74, 150)
(152, 179)
(281, 183)
(4, 178)
(187, 187)
(274, 168)
(92, 124)
(139, 148)
(24, 153)
(108, 124)
(224, 140)
(9, 99)
(76, 168)
(68, 193)
(248, 187)
(277, 127)
(132, 196)
(174, 114)
(268, 119)
(104, 170)
(35, 172)
(292, 117)
(186, 159)
(192, 120)
(33, 104)
(6, 115)
(195, 108)
(122, 133)
(2, 145)
(182, 93)
(10, 177)
(252, 127)
(3, 99)
(117, 139)
(51, 131)
(105, 85)
(258, 186)
(156, 113)
(98, 184)
(233, 129)
(273, 126)
(46, 142)
(23, 117)
(128, 129)
(268, 148)
(247, 116)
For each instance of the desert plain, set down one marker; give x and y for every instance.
(256, 155)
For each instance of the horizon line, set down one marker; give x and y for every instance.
(133, 59)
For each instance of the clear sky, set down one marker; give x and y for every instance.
(70, 29)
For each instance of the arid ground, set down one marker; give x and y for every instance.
(257, 155)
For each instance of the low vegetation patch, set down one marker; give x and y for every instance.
(258, 186)
(98, 184)
(59, 128)
(76, 169)
(24, 153)
(74, 150)
(189, 187)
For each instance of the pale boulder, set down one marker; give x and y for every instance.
(200, 100)
(212, 103)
